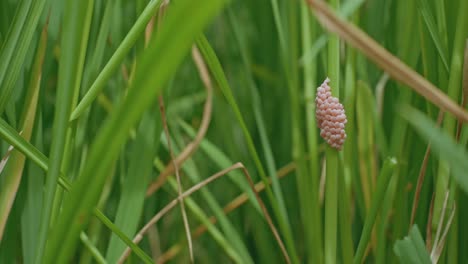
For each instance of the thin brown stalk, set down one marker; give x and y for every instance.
(439, 226)
(384, 59)
(172, 204)
(169, 254)
(124, 71)
(179, 184)
(197, 187)
(154, 242)
(465, 76)
(243, 198)
(422, 175)
(429, 224)
(206, 119)
(150, 27)
(417, 192)
(267, 217)
(440, 247)
(233, 205)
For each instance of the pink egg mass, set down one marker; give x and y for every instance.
(331, 117)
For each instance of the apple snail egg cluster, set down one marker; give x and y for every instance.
(331, 117)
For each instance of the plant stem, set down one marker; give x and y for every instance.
(331, 188)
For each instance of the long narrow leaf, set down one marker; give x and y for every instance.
(75, 35)
(134, 185)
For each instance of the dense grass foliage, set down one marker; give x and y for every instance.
(185, 131)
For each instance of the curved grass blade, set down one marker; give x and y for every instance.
(163, 55)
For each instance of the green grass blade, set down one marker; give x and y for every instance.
(279, 26)
(10, 135)
(111, 226)
(11, 40)
(169, 49)
(94, 251)
(312, 212)
(377, 201)
(331, 187)
(443, 145)
(440, 9)
(430, 23)
(112, 65)
(19, 46)
(77, 20)
(366, 139)
(135, 182)
(32, 209)
(291, 72)
(345, 227)
(97, 57)
(412, 249)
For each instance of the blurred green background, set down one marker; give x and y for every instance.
(81, 86)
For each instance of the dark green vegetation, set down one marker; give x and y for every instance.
(116, 108)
